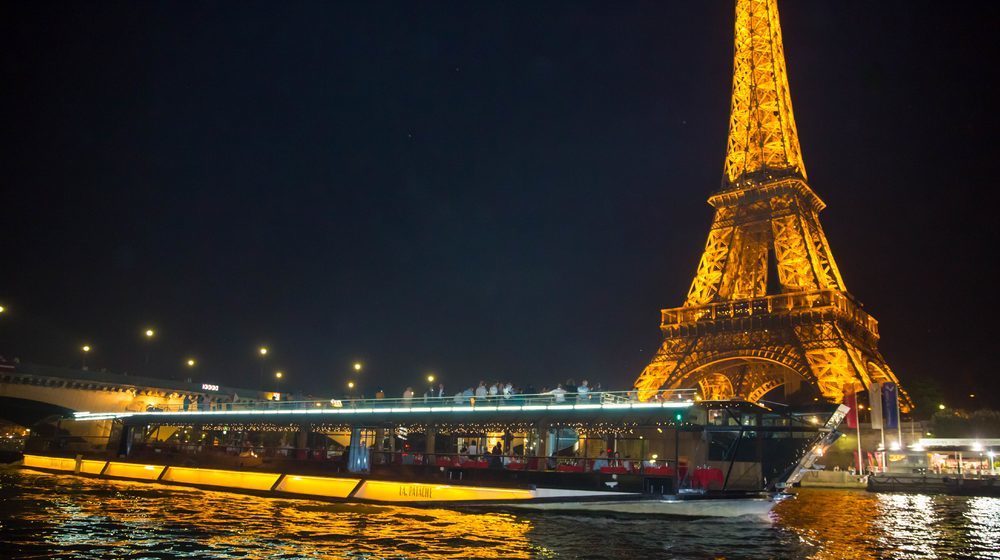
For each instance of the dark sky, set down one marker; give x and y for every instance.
(479, 189)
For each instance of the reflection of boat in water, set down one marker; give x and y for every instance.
(602, 454)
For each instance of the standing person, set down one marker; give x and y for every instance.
(583, 391)
(408, 395)
(481, 391)
(496, 456)
(473, 451)
(186, 402)
(570, 387)
(508, 390)
(559, 394)
(494, 390)
(440, 390)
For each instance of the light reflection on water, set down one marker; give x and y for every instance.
(44, 515)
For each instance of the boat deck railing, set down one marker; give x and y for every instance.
(592, 399)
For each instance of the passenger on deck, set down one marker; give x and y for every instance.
(508, 390)
(440, 391)
(481, 391)
(559, 394)
(601, 461)
(473, 452)
(583, 391)
(408, 395)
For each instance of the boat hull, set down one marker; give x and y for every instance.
(362, 489)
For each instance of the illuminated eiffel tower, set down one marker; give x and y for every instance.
(734, 337)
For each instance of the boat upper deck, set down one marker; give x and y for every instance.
(674, 408)
(607, 403)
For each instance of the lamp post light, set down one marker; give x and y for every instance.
(86, 350)
(263, 355)
(149, 334)
(2, 309)
(190, 363)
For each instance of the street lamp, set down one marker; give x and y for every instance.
(2, 309)
(357, 366)
(190, 362)
(86, 350)
(430, 378)
(263, 355)
(278, 375)
(149, 333)
(940, 407)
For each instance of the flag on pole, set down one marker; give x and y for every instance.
(890, 405)
(875, 404)
(851, 401)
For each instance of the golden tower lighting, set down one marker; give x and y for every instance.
(767, 307)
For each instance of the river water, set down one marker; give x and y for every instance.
(46, 516)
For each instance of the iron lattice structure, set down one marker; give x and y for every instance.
(768, 306)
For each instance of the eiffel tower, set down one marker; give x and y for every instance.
(768, 307)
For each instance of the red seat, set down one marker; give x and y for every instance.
(568, 468)
(614, 470)
(659, 471)
(515, 466)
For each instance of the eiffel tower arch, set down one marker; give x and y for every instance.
(768, 307)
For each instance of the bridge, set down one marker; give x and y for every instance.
(40, 397)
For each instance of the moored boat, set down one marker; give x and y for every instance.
(604, 453)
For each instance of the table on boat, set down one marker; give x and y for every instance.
(704, 477)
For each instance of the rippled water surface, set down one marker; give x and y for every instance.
(45, 516)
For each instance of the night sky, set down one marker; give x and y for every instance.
(501, 190)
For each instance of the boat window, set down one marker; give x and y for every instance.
(749, 420)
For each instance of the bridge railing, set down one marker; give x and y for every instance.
(596, 398)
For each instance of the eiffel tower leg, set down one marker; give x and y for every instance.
(833, 359)
(661, 368)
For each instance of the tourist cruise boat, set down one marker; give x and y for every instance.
(603, 453)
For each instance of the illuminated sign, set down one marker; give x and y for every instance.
(209, 387)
